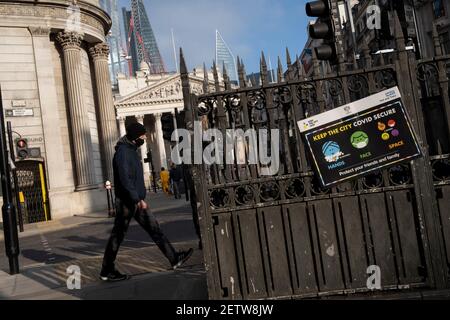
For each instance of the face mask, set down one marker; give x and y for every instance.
(139, 142)
(361, 145)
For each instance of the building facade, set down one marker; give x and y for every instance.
(437, 12)
(153, 101)
(417, 18)
(56, 89)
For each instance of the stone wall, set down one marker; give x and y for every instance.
(19, 83)
(32, 74)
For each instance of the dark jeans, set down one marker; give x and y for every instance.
(124, 213)
(193, 199)
(176, 189)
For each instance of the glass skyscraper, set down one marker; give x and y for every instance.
(115, 39)
(224, 56)
(144, 38)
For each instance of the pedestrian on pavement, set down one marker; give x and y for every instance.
(130, 194)
(176, 175)
(193, 199)
(165, 180)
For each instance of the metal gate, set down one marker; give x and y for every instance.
(33, 189)
(284, 236)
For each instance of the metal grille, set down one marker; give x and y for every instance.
(284, 235)
(32, 183)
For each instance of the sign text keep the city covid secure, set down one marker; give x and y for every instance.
(353, 140)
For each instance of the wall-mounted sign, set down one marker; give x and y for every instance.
(19, 112)
(364, 136)
(18, 103)
(37, 139)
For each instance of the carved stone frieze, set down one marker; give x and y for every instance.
(8, 9)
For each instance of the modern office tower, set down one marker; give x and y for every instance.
(117, 55)
(144, 39)
(224, 56)
(131, 48)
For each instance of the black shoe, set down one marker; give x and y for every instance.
(113, 276)
(182, 258)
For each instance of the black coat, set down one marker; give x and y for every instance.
(128, 173)
(176, 174)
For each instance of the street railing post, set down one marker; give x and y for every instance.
(14, 174)
(8, 209)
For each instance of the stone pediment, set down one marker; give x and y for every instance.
(166, 91)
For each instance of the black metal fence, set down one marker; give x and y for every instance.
(284, 236)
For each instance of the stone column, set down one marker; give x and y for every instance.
(144, 150)
(160, 140)
(122, 128)
(106, 113)
(82, 143)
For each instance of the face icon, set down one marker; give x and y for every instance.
(360, 140)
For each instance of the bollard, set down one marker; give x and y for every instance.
(109, 195)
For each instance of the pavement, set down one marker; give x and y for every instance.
(51, 249)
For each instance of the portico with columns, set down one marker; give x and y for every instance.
(149, 106)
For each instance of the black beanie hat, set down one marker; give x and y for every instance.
(135, 130)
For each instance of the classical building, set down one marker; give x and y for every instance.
(437, 12)
(417, 18)
(56, 88)
(153, 100)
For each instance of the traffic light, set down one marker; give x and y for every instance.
(323, 29)
(22, 148)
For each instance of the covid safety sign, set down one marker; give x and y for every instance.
(363, 136)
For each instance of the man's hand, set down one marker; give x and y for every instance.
(142, 205)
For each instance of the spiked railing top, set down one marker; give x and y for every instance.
(243, 67)
(216, 76)
(241, 73)
(226, 78)
(399, 37)
(205, 79)
(437, 42)
(280, 70)
(288, 58)
(263, 68)
(299, 67)
(183, 68)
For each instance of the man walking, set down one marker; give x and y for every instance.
(130, 202)
(175, 177)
